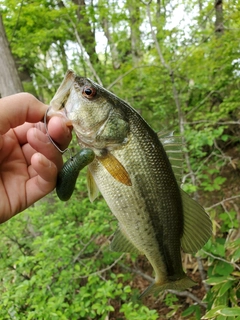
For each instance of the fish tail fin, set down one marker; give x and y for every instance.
(179, 285)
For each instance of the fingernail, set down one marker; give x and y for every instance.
(44, 161)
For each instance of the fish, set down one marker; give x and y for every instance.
(137, 172)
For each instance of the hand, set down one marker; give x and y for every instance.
(28, 161)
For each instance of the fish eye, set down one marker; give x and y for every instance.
(89, 92)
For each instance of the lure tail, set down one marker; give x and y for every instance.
(67, 177)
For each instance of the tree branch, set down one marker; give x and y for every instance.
(222, 202)
(177, 293)
(84, 53)
(103, 270)
(188, 294)
(221, 259)
(129, 71)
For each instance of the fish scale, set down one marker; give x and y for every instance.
(134, 174)
(141, 203)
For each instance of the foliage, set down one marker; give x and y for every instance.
(182, 76)
(60, 266)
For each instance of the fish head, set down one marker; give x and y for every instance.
(95, 114)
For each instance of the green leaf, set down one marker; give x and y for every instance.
(225, 287)
(188, 311)
(216, 280)
(213, 312)
(223, 268)
(230, 312)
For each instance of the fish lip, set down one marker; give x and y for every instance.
(51, 112)
(60, 113)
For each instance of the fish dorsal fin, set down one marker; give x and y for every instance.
(92, 187)
(173, 147)
(197, 225)
(120, 243)
(115, 168)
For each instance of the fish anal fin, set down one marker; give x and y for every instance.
(197, 225)
(121, 243)
(91, 186)
(179, 285)
(115, 168)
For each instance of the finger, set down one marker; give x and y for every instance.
(28, 151)
(32, 173)
(21, 132)
(1, 142)
(19, 108)
(40, 142)
(45, 180)
(59, 131)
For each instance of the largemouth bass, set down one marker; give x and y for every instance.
(133, 172)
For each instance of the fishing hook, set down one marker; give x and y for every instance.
(50, 138)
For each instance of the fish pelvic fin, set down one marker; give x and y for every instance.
(91, 186)
(197, 225)
(115, 168)
(179, 285)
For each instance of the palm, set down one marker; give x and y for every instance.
(15, 173)
(23, 180)
(28, 161)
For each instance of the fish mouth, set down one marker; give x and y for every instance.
(68, 122)
(60, 113)
(86, 137)
(45, 121)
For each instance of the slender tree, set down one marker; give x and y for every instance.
(135, 22)
(9, 79)
(219, 17)
(86, 30)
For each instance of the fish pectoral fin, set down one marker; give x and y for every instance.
(197, 225)
(179, 285)
(115, 168)
(91, 186)
(120, 243)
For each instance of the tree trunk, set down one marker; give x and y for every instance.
(86, 33)
(113, 49)
(9, 79)
(134, 13)
(158, 11)
(219, 17)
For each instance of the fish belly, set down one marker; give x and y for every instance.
(149, 211)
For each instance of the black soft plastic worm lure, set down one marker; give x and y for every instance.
(67, 177)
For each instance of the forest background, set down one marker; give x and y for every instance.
(178, 64)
